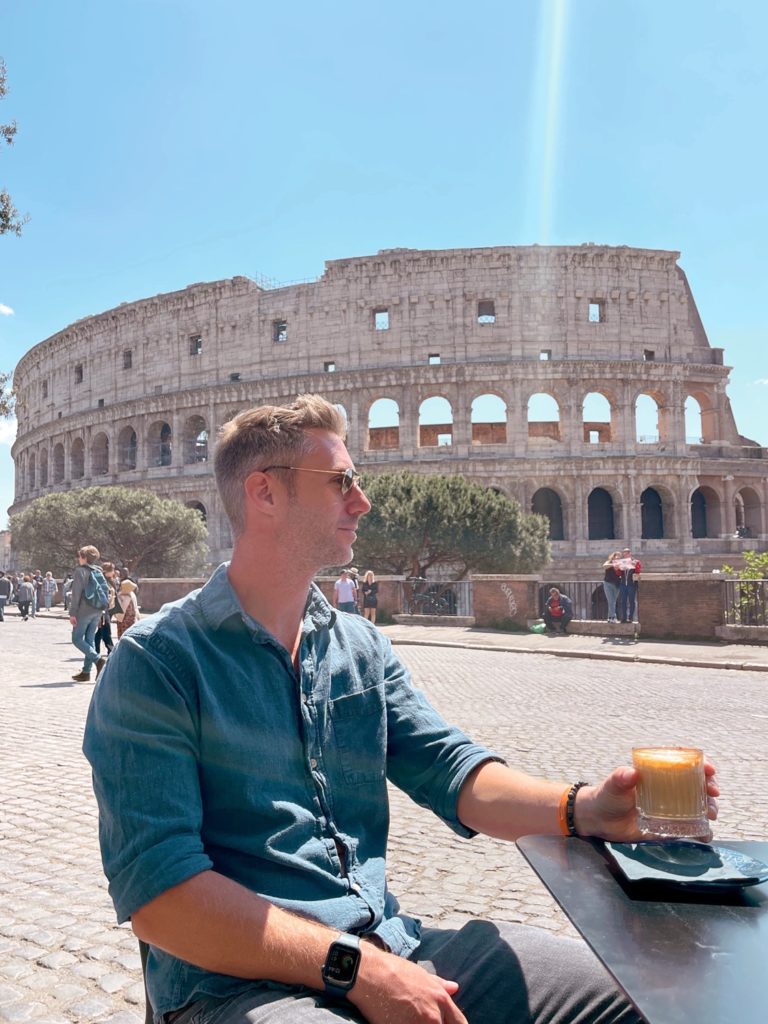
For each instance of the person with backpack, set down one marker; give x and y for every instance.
(89, 599)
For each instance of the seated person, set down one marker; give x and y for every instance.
(241, 741)
(558, 611)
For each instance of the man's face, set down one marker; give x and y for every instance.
(319, 523)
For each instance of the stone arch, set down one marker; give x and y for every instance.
(706, 515)
(707, 414)
(596, 418)
(543, 415)
(160, 444)
(547, 502)
(489, 419)
(32, 472)
(383, 424)
(748, 512)
(600, 515)
(647, 419)
(58, 463)
(198, 506)
(43, 467)
(694, 429)
(100, 455)
(127, 449)
(435, 422)
(195, 440)
(651, 515)
(77, 459)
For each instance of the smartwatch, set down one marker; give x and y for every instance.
(341, 964)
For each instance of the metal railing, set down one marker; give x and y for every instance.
(587, 597)
(745, 602)
(437, 597)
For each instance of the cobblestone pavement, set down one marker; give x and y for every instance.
(63, 959)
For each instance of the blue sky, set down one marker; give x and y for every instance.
(163, 142)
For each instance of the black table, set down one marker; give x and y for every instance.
(682, 958)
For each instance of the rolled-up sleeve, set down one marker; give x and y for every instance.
(141, 741)
(427, 758)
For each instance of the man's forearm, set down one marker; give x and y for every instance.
(504, 803)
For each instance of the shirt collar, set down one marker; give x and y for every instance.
(219, 602)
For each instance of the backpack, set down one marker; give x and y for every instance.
(96, 590)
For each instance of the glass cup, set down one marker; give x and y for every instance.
(671, 795)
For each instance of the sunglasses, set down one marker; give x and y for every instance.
(348, 478)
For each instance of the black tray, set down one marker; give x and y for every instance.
(683, 863)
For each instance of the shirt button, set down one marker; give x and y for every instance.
(312, 762)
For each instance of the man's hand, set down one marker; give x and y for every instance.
(607, 810)
(390, 990)
(72, 620)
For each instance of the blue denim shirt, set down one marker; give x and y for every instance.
(209, 751)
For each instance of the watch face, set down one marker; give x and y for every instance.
(341, 966)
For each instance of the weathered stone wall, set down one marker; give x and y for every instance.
(135, 395)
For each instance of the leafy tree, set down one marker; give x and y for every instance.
(418, 521)
(6, 396)
(153, 536)
(751, 593)
(10, 221)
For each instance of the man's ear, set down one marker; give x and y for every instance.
(258, 492)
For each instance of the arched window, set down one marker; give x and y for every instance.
(543, 417)
(546, 502)
(596, 418)
(383, 424)
(32, 472)
(693, 428)
(489, 420)
(77, 459)
(127, 445)
(58, 463)
(748, 512)
(198, 506)
(435, 423)
(195, 440)
(705, 513)
(600, 515)
(646, 420)
(44, 467)
(651, 514)
(160, 444)
(100, 455)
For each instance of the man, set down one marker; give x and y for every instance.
(345, 593)
(629, 568)
(66, 590)
(241, 740)
(6, 589)
(558, 611)
(86, 606)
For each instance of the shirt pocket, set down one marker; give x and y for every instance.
(359, 729)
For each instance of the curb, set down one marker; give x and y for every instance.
(647, 659)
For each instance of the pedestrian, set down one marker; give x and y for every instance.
(611, 576)
(558, 611)
(37, 601)
(49, 588)
(370, 596)
(104, 631)
(345, 593)
(26, 596)
(129, 607)
(6, 592)
(629, 569)
(66, 590)
(89, 599)
(240, 747)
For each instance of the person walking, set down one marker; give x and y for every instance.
(25, 596)
(127, 601)
(104, 632)
(629, 569)
(370, 596)
(345, 593)
(6, 591)
(49, 589)
(611, 576)
(89, 599)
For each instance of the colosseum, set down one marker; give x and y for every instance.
(577, 379)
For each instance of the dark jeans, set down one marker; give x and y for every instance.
(24, 608)
(559, 622)
(3, 601)
(103, 633)
(627, 593)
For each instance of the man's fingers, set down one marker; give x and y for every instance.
(451, 987)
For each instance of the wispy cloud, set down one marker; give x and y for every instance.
(762, 380)
(5, 310)
(8, 431)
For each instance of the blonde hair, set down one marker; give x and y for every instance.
(261, 437)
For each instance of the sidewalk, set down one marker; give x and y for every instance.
(753, 657)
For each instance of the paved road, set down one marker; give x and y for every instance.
(63, 960)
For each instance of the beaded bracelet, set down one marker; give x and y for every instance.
(566, 808)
